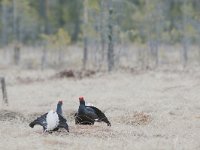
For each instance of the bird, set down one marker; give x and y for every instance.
(88, 115)
(52, 120)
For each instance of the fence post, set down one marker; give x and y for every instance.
(4, 92)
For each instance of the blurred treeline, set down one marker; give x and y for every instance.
(140, 21)
(107, 26)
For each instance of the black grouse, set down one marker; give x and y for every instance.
(51, 121)
(87, 115)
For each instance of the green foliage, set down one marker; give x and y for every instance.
(140, 20)
(93, 4)
(58, 40)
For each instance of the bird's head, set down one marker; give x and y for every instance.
(60, 102)
(81, 100)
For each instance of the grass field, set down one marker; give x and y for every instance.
(150, 110)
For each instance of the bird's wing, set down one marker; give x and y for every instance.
(62, 122)
(40, 121)
(101, 115)
(91, 113)
(87, 116)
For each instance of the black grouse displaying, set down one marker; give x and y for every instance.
(51, 121)
(87, 115)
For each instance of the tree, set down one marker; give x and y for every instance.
(85, 38)
(110, 42)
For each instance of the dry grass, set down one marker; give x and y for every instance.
(137, 118)
(157, 109)
(6, 115)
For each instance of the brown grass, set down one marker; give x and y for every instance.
(155, 109)
(6, 115)
(137, 118)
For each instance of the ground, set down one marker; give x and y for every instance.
(149, 110)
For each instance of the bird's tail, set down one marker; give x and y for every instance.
(105, 119)
(64, 125)
(32, 124)
(39, 121)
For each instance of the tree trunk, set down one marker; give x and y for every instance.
(46, 18)
(85, 39)
(85, 53)
(44, 58)
(4, 17)
(16, 22)
(43, 10)
(61, 20)
(185, 52)
(102, 32)
(153, 46)
(17, 54)
(77, 22)
(185, 40)
(61, 56)
(110, 42)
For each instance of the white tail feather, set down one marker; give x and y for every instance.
(89, 104)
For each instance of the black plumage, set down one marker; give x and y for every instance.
(59, 107)
(88, 115)
(53, 119)
(42, 121)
